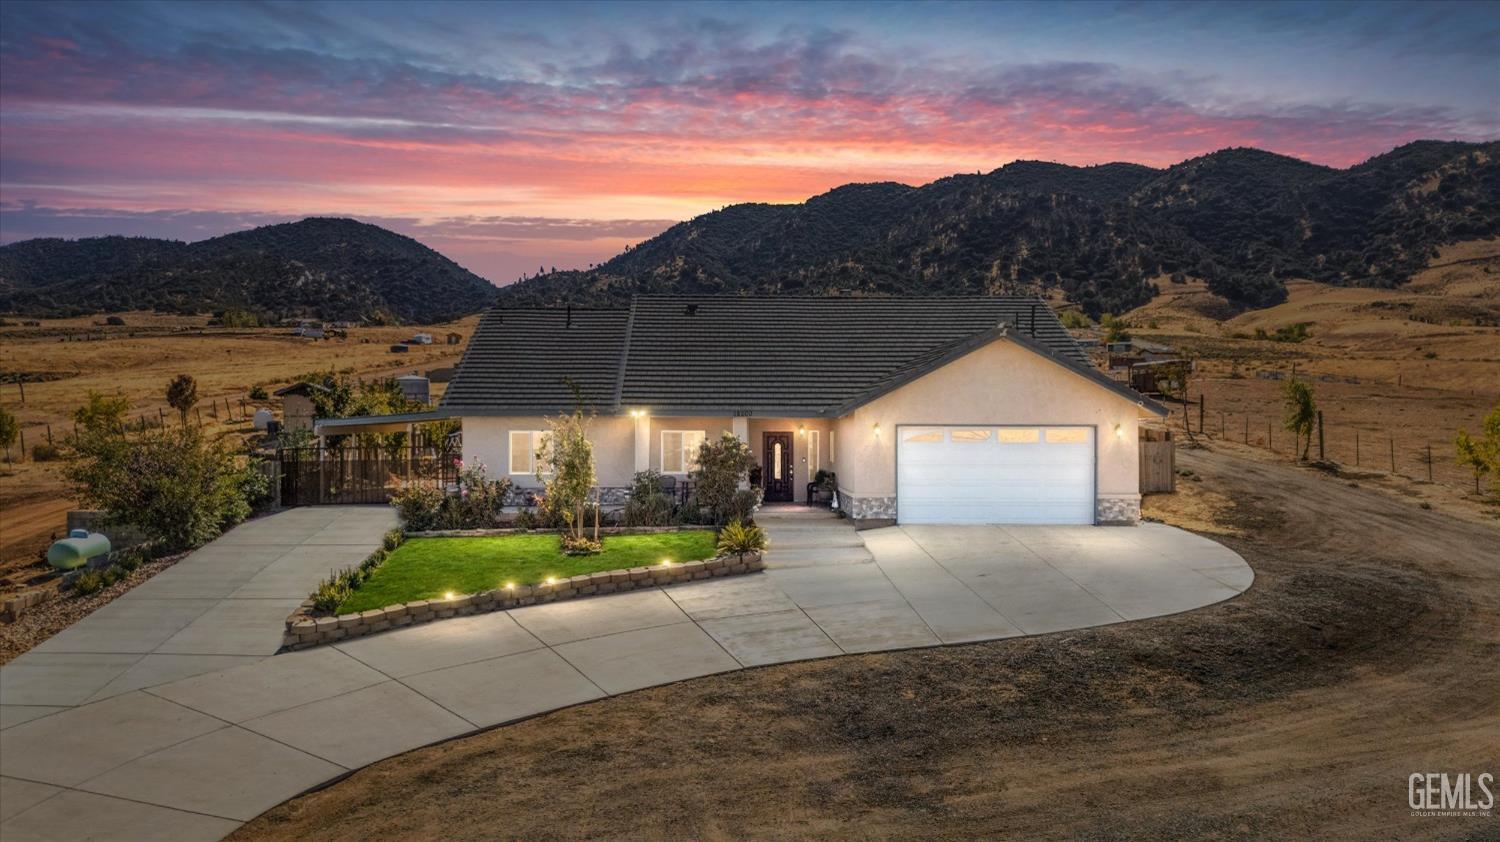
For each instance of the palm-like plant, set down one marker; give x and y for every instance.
(739, 539)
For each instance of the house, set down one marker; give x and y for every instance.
(297, 409)
(929, 410)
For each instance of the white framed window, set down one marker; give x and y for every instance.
(814, 453)
(679, 450)
(523, 447)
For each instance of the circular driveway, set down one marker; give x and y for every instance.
(194, 757)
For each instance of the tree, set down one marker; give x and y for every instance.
(1301, 415)
(102, 413)
(182, 395)
(10, 429)
(1481, 455)
(722, 466)
(565, 467)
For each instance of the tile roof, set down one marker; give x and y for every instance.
(723, 355)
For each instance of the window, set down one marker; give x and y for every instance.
(971, 436)
(679, 450)
(523, 447)
(1067, 435)
(814, 456)
(1011, 435)
(926, 436)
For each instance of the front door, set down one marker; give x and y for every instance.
(776, 467)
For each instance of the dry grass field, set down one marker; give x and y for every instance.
(61, 360)
(1400, 369)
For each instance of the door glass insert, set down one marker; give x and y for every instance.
(1015, 435)
(776, 461)
(970, 436)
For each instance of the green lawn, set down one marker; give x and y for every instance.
(426, 568)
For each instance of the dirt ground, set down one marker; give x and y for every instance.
(62, 359)
(1364, 652)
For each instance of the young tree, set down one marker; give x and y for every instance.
(1481, 455)
(565, 467)
(102, 413)
(1301, 416)
(10, 428)
(182, 395)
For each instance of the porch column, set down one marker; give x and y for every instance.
(642, 439)
(740, 426)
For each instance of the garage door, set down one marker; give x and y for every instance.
(995, 474)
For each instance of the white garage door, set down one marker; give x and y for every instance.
(995, 474)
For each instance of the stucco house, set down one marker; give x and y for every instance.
(928, 410)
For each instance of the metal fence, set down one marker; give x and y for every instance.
(318, 475)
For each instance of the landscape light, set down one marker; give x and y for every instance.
(510, 586)
(448, 595)
(666, 562)
(551, 580)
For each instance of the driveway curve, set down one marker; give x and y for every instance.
(193, 757)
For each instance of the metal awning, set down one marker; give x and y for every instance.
(397, 423)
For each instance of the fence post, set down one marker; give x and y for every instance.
(199, 411)
(1269, 444)
(1356, 448)
(23, 444)
(1222, 422)
(1320, 435)
(1247, 429)
(162, 417)
(1200, 412)
(1429, 463)
(1393, 454)
(49, 436)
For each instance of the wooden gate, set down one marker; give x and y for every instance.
(312, 476)
(1158, 461)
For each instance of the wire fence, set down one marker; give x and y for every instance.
(31, 438)
(1410, 454)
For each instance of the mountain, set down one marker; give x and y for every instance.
(1243, 220)
(327, 268)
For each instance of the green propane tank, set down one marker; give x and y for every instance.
(73, 553)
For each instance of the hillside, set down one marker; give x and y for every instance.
(1241, 220)
(328, 268)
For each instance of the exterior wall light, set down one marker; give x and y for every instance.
(1119, 431)
(877, 429)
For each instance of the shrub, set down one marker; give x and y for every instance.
(1075, 319)
(574, 545)
(477, 504)
(89, 582)
(44, 452)
(258, 393)
(738, 539)
(10, 428)
(744, 504)
(722, 466)
(175, 486)
(393, 539)
(115, 321)
(102, 414)
(647, 505)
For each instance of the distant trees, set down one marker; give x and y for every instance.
(102, 413)
(1480, 455)
(182, 395)
(1301, 415)
(10, 429)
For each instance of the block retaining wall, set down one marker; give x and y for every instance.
(305, 629)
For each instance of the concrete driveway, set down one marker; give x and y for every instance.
(194, 757)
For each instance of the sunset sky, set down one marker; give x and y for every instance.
(513, 136)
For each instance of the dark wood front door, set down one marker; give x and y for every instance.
(776, 467)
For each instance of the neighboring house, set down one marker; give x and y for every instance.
(297, 410)
(930, 410)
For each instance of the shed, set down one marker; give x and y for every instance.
(399, 348)
(414, 387)
(421, 339)
(297, 409)
(455, 338)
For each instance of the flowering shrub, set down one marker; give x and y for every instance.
(476, 505)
